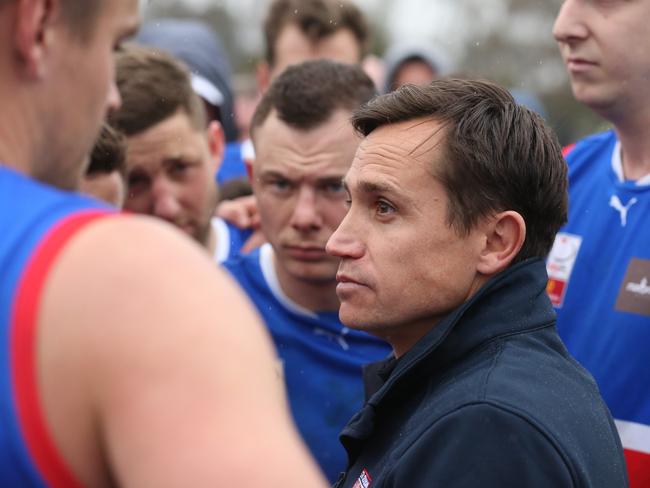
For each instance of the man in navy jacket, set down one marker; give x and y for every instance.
(455, 195)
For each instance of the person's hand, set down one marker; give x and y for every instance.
(241, 212)
(256, 239)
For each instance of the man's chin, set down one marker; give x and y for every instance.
(313, 272)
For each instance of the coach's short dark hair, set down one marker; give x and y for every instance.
(154, 86)
(316, 19)
(497, 155)
(305, 95)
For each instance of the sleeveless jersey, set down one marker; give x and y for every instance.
(599, 283)
(321, 358)
(36, 221)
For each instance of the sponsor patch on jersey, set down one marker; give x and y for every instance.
(364, 480)
(634, 295)
(559, 265)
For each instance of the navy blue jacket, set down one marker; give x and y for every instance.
(489, 397)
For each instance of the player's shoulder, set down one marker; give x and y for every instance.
(591, 144)
(131, 257)
(144, 281)
(245, 265)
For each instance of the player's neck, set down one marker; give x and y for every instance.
(16, 137)
(635, 150)
(315, 296)
(13, 149)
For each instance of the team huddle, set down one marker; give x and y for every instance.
(405, 283)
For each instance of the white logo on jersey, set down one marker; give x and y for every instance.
(640, 288)
(616, 204)
(338, 338)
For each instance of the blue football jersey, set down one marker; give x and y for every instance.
(230, 239)
(321, 358)
(599, 283)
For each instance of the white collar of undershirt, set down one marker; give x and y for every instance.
(617, 166)
(271, 277)
(222, 240)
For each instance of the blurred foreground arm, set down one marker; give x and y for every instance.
(154, 367)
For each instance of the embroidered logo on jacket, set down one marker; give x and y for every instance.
(364, 480)
(560, 264)
(634, 295)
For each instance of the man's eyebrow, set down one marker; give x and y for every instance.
(370, 187)
(330, 179)
(271, 173)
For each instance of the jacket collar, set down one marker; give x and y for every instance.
(513, 301)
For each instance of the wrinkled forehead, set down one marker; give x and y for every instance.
(294, 47)
(418, 142)
(328, 147)
(170, 140)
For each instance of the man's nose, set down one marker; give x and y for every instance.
(345, 242)
(306, 215)
(165, 200)
(114, 99)
(569, 24)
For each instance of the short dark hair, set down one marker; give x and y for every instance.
(316, 19)
(497, 155)
(109, 152)
(305, 95)
(154, 86)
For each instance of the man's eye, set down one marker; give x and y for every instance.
(137, 183)
(178, 168)
(280, 185)
(335, 188)
(384, 208)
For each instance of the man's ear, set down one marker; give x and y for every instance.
(263, 76)
(216, 144)
(504, 237)
(32, 30)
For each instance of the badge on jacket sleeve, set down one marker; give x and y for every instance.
(560, 264)
(364, 480)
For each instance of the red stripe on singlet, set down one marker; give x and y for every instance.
(40, 445)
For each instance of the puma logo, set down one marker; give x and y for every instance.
(616, 204)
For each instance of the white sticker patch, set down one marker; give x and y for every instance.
(559, 265)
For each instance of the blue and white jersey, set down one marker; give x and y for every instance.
(322, 359)
(36, 222)
(230, 239)
(599, 283)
